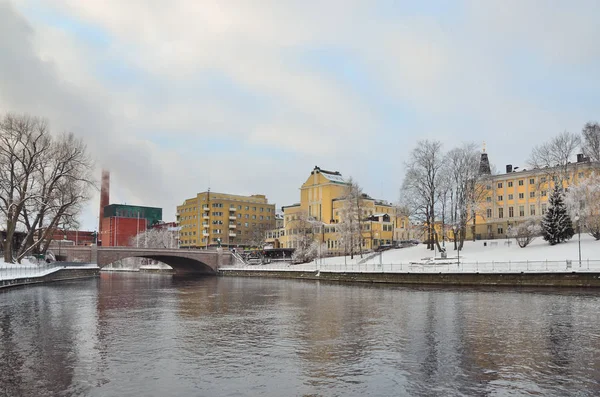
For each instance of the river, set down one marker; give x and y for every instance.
(156, 335)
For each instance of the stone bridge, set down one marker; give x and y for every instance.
(181, 260)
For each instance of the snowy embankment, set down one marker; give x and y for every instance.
(484, 256)
(487, 251)
(31, 269)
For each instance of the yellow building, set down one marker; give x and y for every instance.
(520, 195)
(233, 220)
(319, 213)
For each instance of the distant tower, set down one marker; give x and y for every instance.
(104, 199)
(484, 163)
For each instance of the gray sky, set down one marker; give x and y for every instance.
(248, 96)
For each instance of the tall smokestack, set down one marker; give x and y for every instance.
(104, 199)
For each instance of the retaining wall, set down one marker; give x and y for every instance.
(59, 275)
(471, 279)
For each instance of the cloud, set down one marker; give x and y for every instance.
(174, 96)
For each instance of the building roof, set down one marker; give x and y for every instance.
(333, 176)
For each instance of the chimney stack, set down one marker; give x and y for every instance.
(508, 168)
(104, 200)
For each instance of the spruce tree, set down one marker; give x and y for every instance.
(556, 224)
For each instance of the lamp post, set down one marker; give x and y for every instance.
(577, 219)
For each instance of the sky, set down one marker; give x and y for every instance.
(246, 97)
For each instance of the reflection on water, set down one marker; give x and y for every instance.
(153, 335)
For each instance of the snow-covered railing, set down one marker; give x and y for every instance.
(564, 266)
(15, 271)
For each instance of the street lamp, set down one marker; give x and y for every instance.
(577, 219)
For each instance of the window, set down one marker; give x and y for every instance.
(544, 193)
(239, 207)
(217, 213)
(499, 185)
(488, 187)
(510, 184)
(247, 208)
(488, 213)
(500, 198)
(261, 217)
(268, 210)
(239, 216)
(532, 181)
(253, 208)
(544, 207)
(521, 210)
(521, 182)
(531, 194)
(500, 230)
(543, 179)
(521, 195)
(262, 209)
(245, 224)
(500, 212)
(511, 212)
(510, 196)
(532, 210)
(253, 216)
(246, 216)
(268, 218)
(488, 199)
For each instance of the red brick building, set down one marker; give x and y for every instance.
(76, 237)
(119, 231)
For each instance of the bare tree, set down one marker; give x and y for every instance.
(590, 145)
(352, 219)
(258, 235)
(555, 154)
(421, 184)
(43, 182)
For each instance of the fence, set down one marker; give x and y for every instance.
(441, 267)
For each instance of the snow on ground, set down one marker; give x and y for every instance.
(495, 250)
(485, 256)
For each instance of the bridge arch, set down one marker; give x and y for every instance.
(179, 264)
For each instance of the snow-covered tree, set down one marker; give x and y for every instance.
(155, 238)
(583, 200)
(556, 224)
(525, 232)
(309, 252)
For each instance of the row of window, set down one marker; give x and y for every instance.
(511, 211)
(543, 179)
(521, 196)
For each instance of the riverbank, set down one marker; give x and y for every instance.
(553, 279)
(53, 275)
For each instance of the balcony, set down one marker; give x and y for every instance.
(205, 233)
(232, 226)
(232, 234)
(205, 216)
(232, 217)
(205, 208)
(232, 209)
(205, 226)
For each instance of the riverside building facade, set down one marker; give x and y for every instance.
(319, 213)
(517, 195)
(211, 219)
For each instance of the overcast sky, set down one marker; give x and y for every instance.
(248, 96)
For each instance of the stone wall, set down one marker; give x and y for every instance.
(466, 279)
